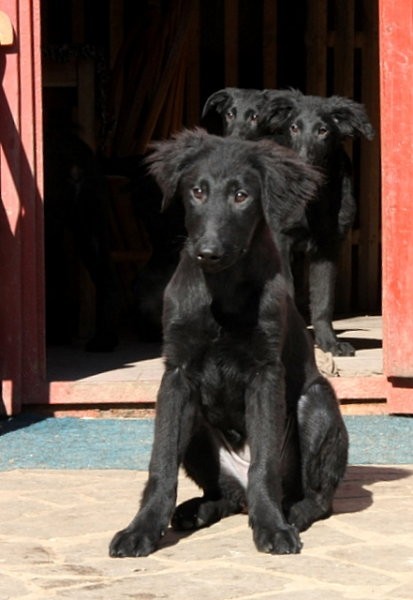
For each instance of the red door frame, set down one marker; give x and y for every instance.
(22, 344)
(22, 352)
(396, 77)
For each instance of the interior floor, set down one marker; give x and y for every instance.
(134, 361)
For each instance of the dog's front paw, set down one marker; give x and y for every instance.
(133, 542)
(277, 541)
(339, 348)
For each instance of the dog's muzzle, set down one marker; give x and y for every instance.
(209, 257)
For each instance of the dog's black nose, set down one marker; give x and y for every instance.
(208, 256)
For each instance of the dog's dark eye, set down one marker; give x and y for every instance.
(198, 194)
(294, 128)
(254, 117)
(323, 131)
(240, 196)
(230, 115)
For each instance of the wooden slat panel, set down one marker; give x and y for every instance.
(316, 42)
(193, 101)
(344, 86)
(231, 42)
(344, 48)
(369, 200)
(269, 43)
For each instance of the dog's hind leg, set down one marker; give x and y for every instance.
(209, 463)
(322, 277)
(324, 448)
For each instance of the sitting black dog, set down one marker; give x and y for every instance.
(241, 404)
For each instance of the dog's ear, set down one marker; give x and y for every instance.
(288, 184)
(278, 106)
(169, 159)
(216, 101)
(350, 117)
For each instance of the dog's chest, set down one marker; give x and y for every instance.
(223, 380)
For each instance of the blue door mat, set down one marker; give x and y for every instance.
(71, 443)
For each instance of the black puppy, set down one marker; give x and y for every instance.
(239, 110)
(241, 404)
(315, 128)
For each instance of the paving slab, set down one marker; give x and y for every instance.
(55, 526)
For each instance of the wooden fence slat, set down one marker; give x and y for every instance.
(316, 42)
(269, 43)
(369, 201)
(193, 95)
(344, 86)
(231, 42)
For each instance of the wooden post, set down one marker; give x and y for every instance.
(396, 76)
(22, 350)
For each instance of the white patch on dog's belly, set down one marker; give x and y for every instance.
(235, 463)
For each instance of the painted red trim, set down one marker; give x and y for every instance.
(360, 388)
(396, 76)
(22, 359)
(396, 73)
(107, 392)
(127, 392)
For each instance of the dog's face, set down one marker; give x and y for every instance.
(239, 109)
(313, 126)
(312, 134)
(228, 186)
(222, 210)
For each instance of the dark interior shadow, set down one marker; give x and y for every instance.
(353, 497)
(69, 363)
(362, 343)
(10, 424)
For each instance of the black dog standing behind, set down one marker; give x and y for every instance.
(315, 128)
(240, 111)
(241, 404)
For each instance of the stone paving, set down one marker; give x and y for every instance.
(55, 527)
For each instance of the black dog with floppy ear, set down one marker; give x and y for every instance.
(239, 109)
(315, 128)
(170, 159)
(350, 117)
(241, 404)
